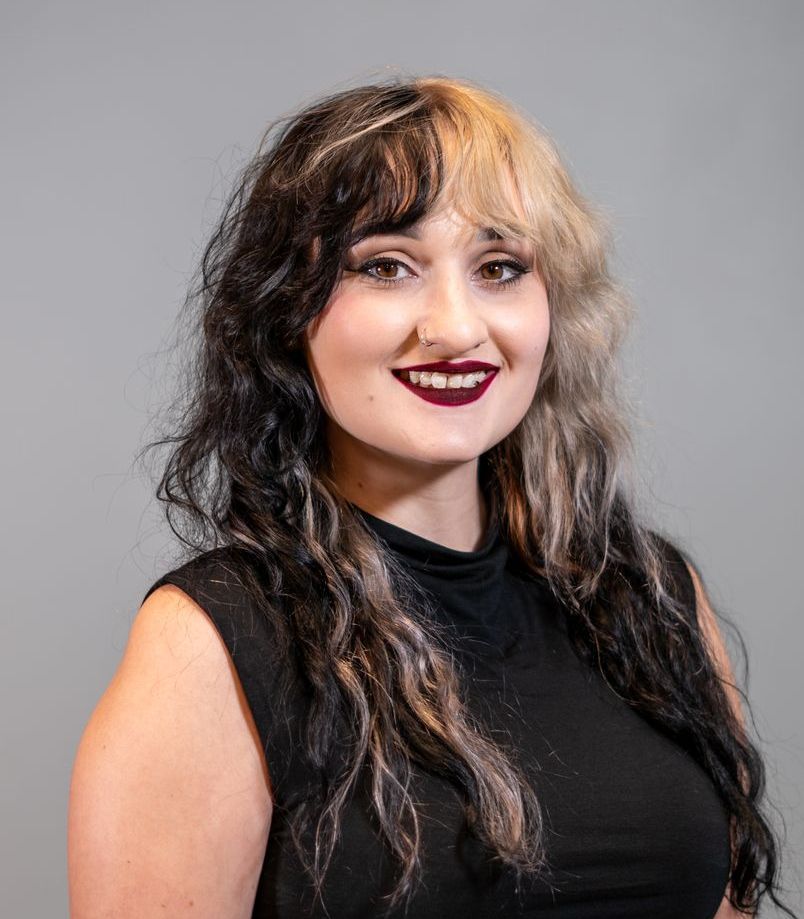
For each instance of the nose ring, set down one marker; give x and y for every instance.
(423, 339)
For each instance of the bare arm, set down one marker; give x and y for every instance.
(717, 648)
(170, 805)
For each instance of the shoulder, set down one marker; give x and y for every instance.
(217, 581)
(678, 568)
(172, 624)
(692, 590)
(176, 661)
(214, 574)
(169, 790)
(228, 591)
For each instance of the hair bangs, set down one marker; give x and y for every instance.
(441, 145)
(402, 179)
(462, 150)
(479, 181)
(500, 170)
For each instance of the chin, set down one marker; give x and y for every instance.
(447, 457)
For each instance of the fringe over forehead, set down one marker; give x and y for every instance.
(384, 156)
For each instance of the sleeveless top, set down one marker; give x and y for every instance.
(634, 827)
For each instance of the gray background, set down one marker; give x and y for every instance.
(123, 125)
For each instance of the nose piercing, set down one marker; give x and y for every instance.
(423, 339)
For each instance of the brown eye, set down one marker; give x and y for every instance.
(387, 266)
(383, 270)
(496, 269)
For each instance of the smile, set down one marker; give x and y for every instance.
(440, 389)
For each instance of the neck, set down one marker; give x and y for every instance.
(442, 504)
(464, 532)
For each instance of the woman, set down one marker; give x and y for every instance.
(423, 654)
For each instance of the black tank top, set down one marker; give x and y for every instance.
(634, 826)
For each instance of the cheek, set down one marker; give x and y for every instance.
(335, 332)
(542, 335)
(355, 327)
(342, 345)
(538, 323)
(526, 332)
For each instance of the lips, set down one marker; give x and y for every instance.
(449, 396)
(449, 367)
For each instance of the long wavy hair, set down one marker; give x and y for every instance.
(249, 468)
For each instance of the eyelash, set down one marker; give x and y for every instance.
(508, 282)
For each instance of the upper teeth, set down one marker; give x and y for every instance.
(445, 380)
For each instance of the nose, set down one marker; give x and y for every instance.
(452, 316)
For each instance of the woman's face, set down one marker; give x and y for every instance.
(476, 303)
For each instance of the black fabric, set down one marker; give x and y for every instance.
(634, 827)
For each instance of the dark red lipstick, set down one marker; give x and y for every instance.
(447, 396)
(450, 367)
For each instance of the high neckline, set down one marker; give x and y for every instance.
(427, 555)
(467, 586)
